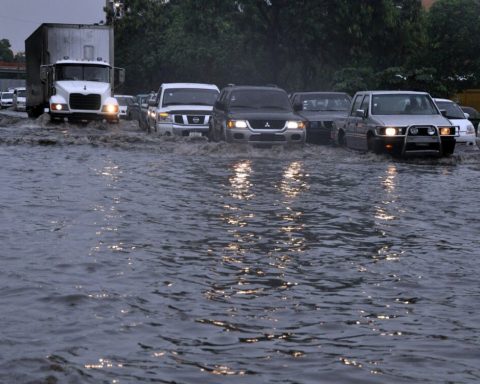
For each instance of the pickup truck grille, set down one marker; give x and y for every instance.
(422, 130)
(267, 124)
(90, 102)
(191, 119)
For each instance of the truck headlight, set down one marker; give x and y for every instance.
(237, 124)
(295, 125)
(110, 108)
(58, 107)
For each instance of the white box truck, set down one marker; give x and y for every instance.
(70, 72)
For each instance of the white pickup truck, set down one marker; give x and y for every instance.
(183, 109)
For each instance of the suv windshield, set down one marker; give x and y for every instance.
(325, 102)
(189, 96)
(403, 104)
(453, 111)
(7, 95)
(122, 100)
(261, 99)
(100, 73)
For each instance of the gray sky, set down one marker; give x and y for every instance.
(19, 18)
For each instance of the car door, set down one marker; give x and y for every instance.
(352, 122)
(363, 125)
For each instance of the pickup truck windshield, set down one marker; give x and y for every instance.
(189, 96)
(403, 104)
(98, 73)
(260, 99)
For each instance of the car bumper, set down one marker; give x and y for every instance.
(415, 146)
(263, 137)
(183, 129)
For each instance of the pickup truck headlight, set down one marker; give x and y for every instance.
(165, 117)
(390, 131)
(237, 124)
(295, 125)
(445, 131)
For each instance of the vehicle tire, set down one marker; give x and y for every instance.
(372, 144)
(341, 140)
(212, 134)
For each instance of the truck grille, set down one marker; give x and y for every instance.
(267, 124)
(90, 102)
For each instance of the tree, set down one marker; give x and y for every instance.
(6, 53)
(452, 50)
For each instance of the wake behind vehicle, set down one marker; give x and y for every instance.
(70, 72)
(320, 109)
(401, 123)
(256, 115)
(183, 109)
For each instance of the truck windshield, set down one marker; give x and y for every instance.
(100, 73)
(189, 96)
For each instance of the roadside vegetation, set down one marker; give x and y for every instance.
(339, 45)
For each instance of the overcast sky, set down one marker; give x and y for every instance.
(19, 18)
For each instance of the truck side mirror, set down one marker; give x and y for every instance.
(219, 105)
(43, 73)
(118, 76)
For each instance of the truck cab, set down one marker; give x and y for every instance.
(80, 89)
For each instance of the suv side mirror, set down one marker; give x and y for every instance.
(152, 103)
(467, 115)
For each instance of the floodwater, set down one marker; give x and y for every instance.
(130, 258)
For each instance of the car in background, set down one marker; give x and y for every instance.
(183, 109)
(123, 102)
(453, 112)
(259, 115)
(473, 116)
(138, 109)
(19, 99)
(6, 99)
(400, 123)
(150, 111)
(321, 109)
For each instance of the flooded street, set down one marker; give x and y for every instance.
(131, 258)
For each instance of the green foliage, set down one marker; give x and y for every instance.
(299, 45)
(6, 53)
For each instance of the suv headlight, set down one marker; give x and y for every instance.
(295, 124)
(237, 124)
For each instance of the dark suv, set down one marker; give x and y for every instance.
(256, 115)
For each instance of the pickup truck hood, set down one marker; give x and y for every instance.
(406, 120)
(265, 115)
(190, 108)
(84, 87)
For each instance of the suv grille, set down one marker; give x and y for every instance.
(89, 102)
(267, 124)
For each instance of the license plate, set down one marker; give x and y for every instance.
(195, 134)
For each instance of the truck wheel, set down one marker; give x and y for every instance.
(372, 144)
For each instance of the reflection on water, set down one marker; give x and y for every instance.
(195, 261)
